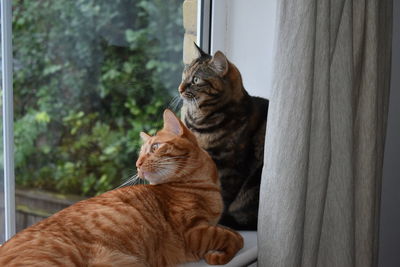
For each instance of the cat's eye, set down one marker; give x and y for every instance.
(154, 147)
(196, 80)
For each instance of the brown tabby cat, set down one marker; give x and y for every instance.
(230, 125)
(168, 222)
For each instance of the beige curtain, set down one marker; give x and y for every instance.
(326, 127)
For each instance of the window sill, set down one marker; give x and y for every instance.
(246, 256)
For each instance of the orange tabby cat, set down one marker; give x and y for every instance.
(171, 221)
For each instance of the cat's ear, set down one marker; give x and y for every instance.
(172, 123)
(144, 136)
(200, 51)
(219, 63)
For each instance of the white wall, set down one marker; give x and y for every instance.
(245, 33)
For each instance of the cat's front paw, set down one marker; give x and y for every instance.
(228, 251)
(214, 257)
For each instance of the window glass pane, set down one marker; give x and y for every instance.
(89, 75)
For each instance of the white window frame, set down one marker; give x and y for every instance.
(231, 26)
(204, 13)
(219, 25)
(8, 114)
(211, 25)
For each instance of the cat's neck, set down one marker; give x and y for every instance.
(205, 172)
(199, 113)
(235, 82)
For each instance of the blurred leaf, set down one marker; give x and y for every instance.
(42, 117)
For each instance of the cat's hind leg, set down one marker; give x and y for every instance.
(216, 244)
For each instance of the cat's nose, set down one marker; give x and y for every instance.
(182, 87)
(139, 163)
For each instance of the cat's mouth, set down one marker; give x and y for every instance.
(151, 177)
(142, 174)
(188, 95)
(145, 175)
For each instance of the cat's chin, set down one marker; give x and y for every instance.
(151, 177)
(155, 181)
(188, 99)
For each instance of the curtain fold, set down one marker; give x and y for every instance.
(320, 192)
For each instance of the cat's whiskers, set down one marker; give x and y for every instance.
(171, 162)
(141, 181)
(175, 103)
(163, 172)
(131, 181)
(173, 158)
(173, 166)
(178, 160)
(164, 167)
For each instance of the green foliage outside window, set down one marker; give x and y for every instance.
(89, 75)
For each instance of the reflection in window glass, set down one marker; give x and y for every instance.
(89, 75)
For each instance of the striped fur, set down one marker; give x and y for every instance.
(230, 125)
(171, 221)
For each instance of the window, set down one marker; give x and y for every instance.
(88, 77)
